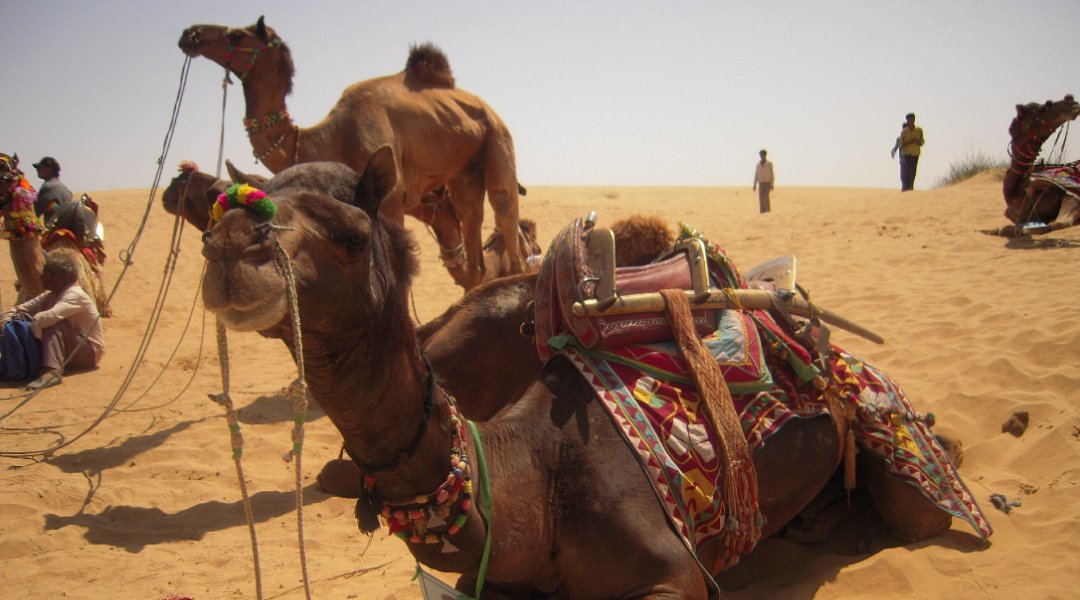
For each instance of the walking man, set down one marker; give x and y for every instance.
(763, 181)
(910, 143)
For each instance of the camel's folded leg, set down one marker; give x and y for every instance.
(909, 515)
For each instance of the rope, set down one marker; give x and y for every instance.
(221, 137)
(299, 398)
(739, 487)
(125, 256)
(237, 441)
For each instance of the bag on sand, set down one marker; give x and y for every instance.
(20, 352)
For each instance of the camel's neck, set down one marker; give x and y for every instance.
(274, 138)
(1014, 184)
(375, 388)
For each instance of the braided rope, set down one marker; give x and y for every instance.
(298, 391)
(237, 441)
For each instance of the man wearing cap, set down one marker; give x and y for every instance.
(53, 193)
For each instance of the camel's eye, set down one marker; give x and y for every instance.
(350, 241)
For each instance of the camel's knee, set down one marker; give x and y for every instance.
(909, 515)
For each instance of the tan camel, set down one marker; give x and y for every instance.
(1040, 198)
(565, 518)
(192, 194)
(29, 241)
(441, 134)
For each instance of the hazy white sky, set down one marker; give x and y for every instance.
(595, 93)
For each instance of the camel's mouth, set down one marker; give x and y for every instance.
(189, 42)
(254, 318)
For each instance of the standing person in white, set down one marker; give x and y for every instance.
(764, 181)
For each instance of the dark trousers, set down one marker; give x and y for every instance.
(763, 196)
(908, 165)
(60, 340)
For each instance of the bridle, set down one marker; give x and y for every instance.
(232, 50)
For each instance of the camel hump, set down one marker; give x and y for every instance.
(429, 65)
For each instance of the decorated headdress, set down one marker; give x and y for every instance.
(243, 195)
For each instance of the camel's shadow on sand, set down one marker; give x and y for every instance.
(1033, 243)
(109, 457)
(797, 570)
(275, 408)
(135, 527)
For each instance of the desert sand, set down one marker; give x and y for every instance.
(147, 503)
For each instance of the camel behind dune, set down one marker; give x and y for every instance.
(1039, 197)
(440, 133)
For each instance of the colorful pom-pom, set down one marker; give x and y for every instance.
(243, 195)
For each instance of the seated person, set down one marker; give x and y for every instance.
(65, 319)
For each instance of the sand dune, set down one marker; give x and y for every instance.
(147, 503)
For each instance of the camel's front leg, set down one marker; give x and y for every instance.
(505, 204)
(467, 196)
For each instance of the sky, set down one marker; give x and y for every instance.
(604, 93)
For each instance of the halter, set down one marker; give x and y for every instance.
(232, 50)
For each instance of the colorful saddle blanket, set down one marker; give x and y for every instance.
(649, 394)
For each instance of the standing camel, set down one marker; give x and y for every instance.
(571, 512)
(440, 134)
(1046, 196)
(192, 193)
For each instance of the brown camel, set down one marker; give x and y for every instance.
(639, 239)
(571, 512)
(193, 193)
(29, 241)
(1040, 198)
(441, 134)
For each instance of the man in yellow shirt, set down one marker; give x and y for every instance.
(910, 144)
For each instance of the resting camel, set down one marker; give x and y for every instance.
(29, 240)
(1040, 198)
(441, 134)
(571, 512)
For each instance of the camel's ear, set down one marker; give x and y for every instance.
(260, 28)
(238, 176)
(1019, 110)
(15, 159)
(377, 181)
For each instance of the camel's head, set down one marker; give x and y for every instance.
(192, 193)
(347, 263)
(11, 180)
(243, 51)
(9, 170)
(1035, 122)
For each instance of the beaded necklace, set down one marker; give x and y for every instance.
(257, 124)
(412, 520)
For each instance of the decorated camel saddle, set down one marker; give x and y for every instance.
(775, 362)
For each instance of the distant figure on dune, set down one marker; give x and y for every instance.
(764, 181)
(910, 145)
